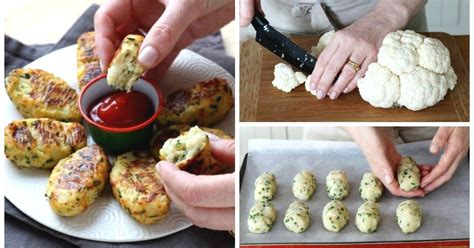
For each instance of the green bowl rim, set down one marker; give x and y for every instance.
(126, 129)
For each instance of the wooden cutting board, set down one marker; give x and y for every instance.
(299, 105)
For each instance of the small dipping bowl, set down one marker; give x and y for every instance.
(117, 140)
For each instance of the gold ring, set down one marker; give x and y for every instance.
(354, 65)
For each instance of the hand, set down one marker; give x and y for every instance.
(382, 156)
(359, 43)
(170, 26)
(247, 11)
(455, 142)
(208, 201)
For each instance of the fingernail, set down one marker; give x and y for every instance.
(312, 86)
(320, 94)
(345, 90)
(434, 148)
(101, 66)
(148, 56)
(388, 179)
(333, 95)
(212, 137)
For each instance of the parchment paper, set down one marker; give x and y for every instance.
(445, 210)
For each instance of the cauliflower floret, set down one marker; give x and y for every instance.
(286, 79)
(380, 87)
(398, 58)
(322, 43)
(421, 88)
(420, 65)
(307, 87)
(434, 56)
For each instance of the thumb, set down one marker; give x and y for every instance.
(223, 150)
(163, 35)
(440, 139)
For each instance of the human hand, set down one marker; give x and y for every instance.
(247, 11)
(383, 157)
(358, 43)
(455, 141)
(207, 201)
(170, 26)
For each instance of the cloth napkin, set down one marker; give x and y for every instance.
(22, 231)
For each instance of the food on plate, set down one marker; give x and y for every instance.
(137, 186)
(286, 79)
(124, 70)
(408, 216)
(204, 104)
(337, 185)
(304, 185)
(261, 217)
(370, 187)
(165, 133)
(37, 93)
(265, 187)
(191, 151)
(77, 181)
(297, 217)
(42, 142)
(322, 43)
(335, 216)
(408, 174)
(368, 217)
(411, 70)
(88, 66)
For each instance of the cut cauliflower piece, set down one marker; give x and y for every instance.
(380, 87)
(420, 65)
(421, 88)
(286, 79)
(322, 43)
(434, 56)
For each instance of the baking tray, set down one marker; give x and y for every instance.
(445, 211)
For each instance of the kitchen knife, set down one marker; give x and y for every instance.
(281, 46)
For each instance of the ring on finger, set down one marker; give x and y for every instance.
(354, 65)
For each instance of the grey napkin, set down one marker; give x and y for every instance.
(22, 231)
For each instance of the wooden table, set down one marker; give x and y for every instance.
(260, 101)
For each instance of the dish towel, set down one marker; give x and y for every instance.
(22, 231)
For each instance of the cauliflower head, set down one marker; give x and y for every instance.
(411, 70)
(286, 79)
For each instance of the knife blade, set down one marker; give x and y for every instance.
(281, 45)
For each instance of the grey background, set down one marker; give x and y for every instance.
(445, 211)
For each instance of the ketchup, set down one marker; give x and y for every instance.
(121, 109)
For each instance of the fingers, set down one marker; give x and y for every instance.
(363, 69)
(323, 60)
(442, 167)
(440, 139)
(247, 11)
(331, 71)
(346, 75)
(212, 218)
(159, 72)
(109, 19)
(198, 191)
(163, 35)
(445, 177)
(223, 150)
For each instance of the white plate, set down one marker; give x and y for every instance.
(104, 220)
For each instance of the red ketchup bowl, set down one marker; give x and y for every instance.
(119, 121)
